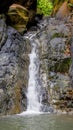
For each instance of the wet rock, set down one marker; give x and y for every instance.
(45, 108)
(43, 96)
(65, 101)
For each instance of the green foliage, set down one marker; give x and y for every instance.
(70, 4)
(45, 6)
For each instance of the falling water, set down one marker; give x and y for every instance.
(33, 103)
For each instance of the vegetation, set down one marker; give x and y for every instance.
(58, 3)
(47, 6)
(44, 6)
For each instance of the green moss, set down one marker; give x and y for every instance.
(57, 35)
(70, 4)
(45, 6)
(62, 66)
(17, 97)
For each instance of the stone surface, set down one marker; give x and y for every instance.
(65, 102)
(71, 67)
(13, 80)
(54, 39)
(3, 35)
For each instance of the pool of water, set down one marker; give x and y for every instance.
(37, 122)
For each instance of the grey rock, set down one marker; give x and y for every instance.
(12, 77)
(3, 35)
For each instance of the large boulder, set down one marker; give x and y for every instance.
(18, 17)
(19, 14)
(31, 6)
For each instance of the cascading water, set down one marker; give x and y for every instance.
(36, 94)
(33, 103)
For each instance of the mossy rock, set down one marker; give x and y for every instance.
(16, 107)
(62, 66)
(18, 17)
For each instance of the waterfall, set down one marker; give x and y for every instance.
(36, 94)
(33, 103)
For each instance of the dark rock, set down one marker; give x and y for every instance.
(65, 101)
(44, 108)
(19, 15)
(30, 5)
(47, 108)
(3, 35)
(4, 5)
(43, 96)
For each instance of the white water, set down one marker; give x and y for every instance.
(33, 103)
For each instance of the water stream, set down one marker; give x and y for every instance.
(33, 102)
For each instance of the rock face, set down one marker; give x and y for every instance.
(55, 58)
(71, 67)
(3, 35)
(65, 102)
(54, 43)
(13, 60)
